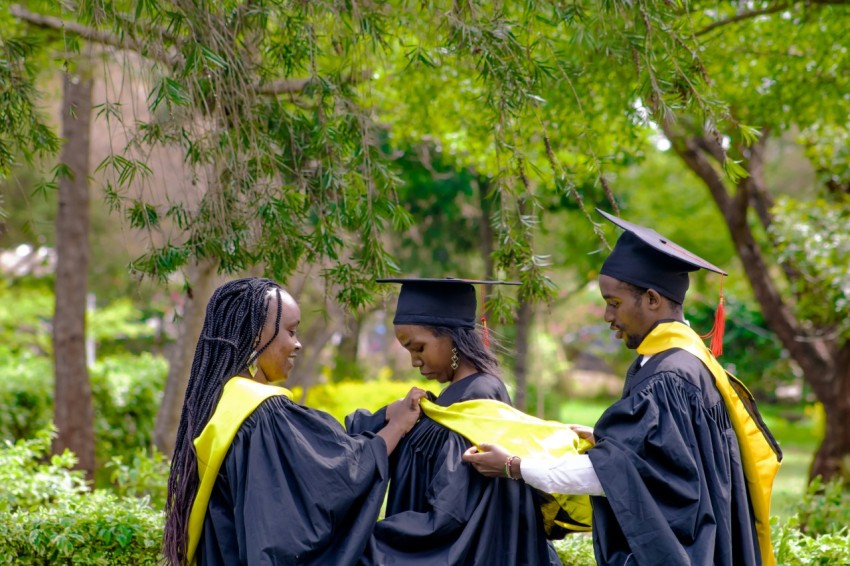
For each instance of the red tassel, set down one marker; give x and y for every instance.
(719, 328)
(485, 331)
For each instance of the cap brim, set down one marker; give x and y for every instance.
(445, 280)
(662, 244)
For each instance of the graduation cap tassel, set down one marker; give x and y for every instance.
(485, 331)
(719, 328)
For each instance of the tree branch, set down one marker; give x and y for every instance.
(734, 210)
(749, 14)
(95, 36)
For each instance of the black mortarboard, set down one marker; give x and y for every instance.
(645, 258)
(438, 302)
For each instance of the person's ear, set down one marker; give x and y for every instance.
(654, 299)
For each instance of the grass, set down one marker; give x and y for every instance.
(795, 429)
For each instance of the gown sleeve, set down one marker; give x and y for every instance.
(294, 489)
(361, 421)
(661, 458)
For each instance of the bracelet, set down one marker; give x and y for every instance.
(509, 467)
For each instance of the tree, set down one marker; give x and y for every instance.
(73, 411)
(763, 58)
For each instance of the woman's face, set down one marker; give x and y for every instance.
(430, 353)
(278, 359)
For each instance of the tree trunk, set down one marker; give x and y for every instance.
(825, 368)
(73, 413)
(523, 329)
(202, 281)
(346, 363)
(833, 456)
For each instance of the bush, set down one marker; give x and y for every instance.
(26, 393)
(47, 516)
(126, 391)
(818, 532)
(576, 550)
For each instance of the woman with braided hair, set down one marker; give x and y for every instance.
(256, 478)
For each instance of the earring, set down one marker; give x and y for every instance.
(252, 367)
(454, 358)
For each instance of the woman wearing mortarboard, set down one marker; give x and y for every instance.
(682, 468)
(439, 511)
(257, 479)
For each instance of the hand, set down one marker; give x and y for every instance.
(405, 412)
(585, 432)
(488, 459)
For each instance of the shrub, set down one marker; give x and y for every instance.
(146, 476)
(48, 516)
(26, 393)
(576, 550)
(127, 391)
(818, 532)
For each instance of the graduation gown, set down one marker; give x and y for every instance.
(294, 488)
(440, 511)
(670, 464)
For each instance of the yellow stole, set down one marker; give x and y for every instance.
(239, 399)
(759, 453)
(487, 420)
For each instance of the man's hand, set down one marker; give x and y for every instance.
(490, 460)
(585, 432)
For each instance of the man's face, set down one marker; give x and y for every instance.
(625, 311)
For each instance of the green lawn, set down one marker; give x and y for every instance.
(795, 430)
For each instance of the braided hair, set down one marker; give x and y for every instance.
(229, 342)
(471, 347)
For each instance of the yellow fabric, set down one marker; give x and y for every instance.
(487, 420)
(759, 457)
(239, 399)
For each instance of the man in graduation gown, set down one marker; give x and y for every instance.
(682, 466)
(439, 510)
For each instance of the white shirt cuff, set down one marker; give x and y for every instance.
(572, 475)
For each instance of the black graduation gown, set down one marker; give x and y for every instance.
(669, 462)
(440, 511)
(294, 488)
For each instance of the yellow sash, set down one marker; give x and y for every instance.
(487, 420)
(239, 399)
(760, 454)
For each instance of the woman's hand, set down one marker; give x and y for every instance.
(405, 412)
(490, 460)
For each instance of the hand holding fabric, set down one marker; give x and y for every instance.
(488, 459)
(585, 432)
(405, 412)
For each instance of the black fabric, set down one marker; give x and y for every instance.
(438, 302)
(440, 511)
(294, 488)
(669, 463)
(646, 259)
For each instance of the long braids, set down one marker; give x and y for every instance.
(235, 317)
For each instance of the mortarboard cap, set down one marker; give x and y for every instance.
(438, 302)
(645, 258)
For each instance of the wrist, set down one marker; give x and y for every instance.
(512, 468)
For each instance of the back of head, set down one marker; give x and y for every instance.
(234, 319)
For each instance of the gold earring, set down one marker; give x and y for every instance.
(454, 358)
(252, 367)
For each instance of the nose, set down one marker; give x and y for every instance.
(415, 362)
(608, 316)
(297, 345)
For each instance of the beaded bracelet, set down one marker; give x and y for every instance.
(509, 467)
